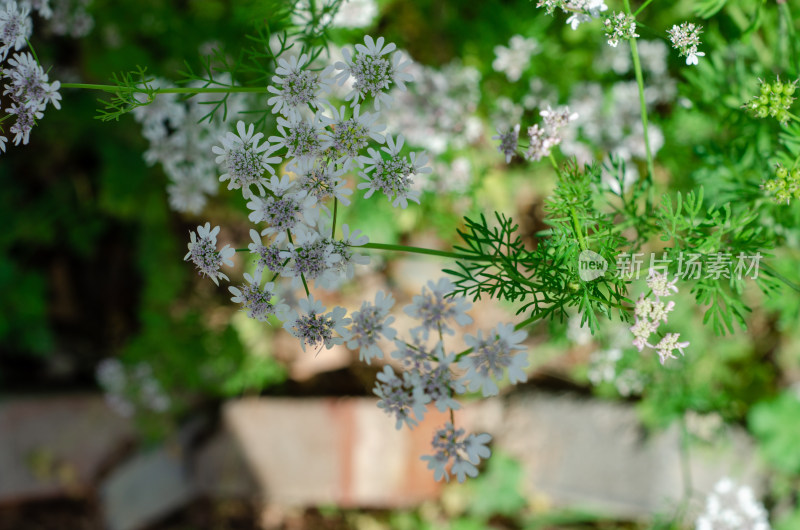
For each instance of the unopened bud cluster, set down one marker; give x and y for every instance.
(785, 186)
(775, 100)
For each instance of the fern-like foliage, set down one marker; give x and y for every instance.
(134, 91)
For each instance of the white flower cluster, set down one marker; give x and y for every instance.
(732, 507)
(685, 38)
(180, 139)
(291, 179)
(25, 82)
(70, 17)
(430, 374)
(579, 10)
(127, 389)
(541, 139)
(514, 59)
(649, 314)
(204, 254)
(620, 26)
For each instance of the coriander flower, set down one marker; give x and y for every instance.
(642, 329)
(257, 300)
(453, 453)
(303, 139)
(508, 141)
(540, 143)
(732, 507)
(297, 88)
(370, 323)
(401, 397)
(315, 327)
(374, 73)
(436, 380)
(392, 176)
(286, 210)
(685, 38)
(30, 92)
(620, 26)
(311, 257)
(491, 356)
(514, 59)
(351, 135)
(659, 284)
(322, 181)
(435, 310)
(243, 160)
(667, 345)
(203, 253)
(268, 257)
(555, 120)
(344, 248)
(15, 28)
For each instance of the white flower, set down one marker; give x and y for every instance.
(392, 176)
(322, 181)
(203, 253)
(555, 120)
(311, 257)
(374, 74)
(642, 329)
(303, 139)
(667, 345)
(540, 143)
(659, 283)
(297, 88)
(461, 454)
(369, 324)
(514, 59)
(243, 160)
(349, 136)
(508, 141)
(15, 28)
(286, 210)
(257, 300)
(268, 257)
(500, 350)
(348, 258)
(400, 397)
(30, 92)
(435, 310)
(620, 26)
(686, 38)
(315, 327)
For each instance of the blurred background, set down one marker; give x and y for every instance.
(135, 395)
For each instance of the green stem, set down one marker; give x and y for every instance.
(427, 251)
(302, 276)
(553, 161)
(185, 90)
(576, 225)
(641, 8)
(637, 68)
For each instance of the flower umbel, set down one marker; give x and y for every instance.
(686, 38)
(203, 253)
(456, 454)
